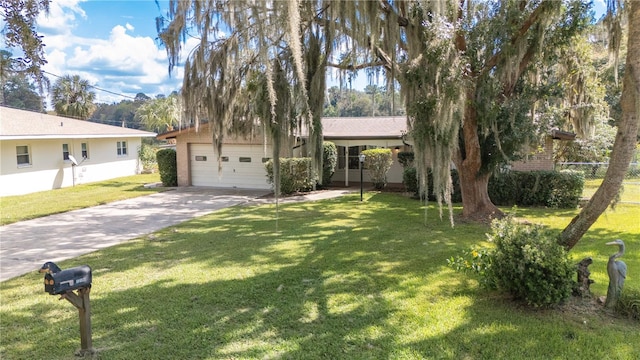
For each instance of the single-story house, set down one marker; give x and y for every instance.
(42, 152)
(242, 158)
(541, 157)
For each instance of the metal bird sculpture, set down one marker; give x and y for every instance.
(617, 271)
(50, 268)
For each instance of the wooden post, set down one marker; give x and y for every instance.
(82, 303)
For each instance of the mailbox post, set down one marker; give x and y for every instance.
(63, 283)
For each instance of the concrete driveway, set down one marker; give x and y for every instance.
(26, 245)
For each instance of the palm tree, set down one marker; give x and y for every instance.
(161, 114)
(71, 97)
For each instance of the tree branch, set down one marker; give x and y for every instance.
(388, 9)
(533, 18)
(351, 67)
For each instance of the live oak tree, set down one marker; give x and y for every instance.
(465, 70)
(257, 63)
(475, 75)
(16, 89)
(19, 30)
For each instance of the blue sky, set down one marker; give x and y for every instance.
(113, 45)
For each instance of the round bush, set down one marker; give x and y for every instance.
(529, 263)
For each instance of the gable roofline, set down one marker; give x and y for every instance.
(376, 127)
(19, 124)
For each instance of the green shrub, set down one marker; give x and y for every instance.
(295, 175)
(378, 162)
(410, 181)
(537, 188)
(329, 162)
(147, 156)
(405, 158)
(527, 262)
(167, 166)
(629, 303)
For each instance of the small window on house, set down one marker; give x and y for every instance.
(85, 150)
(224, 159)
(23, 156)
(65, 151)
(122, 148)
(245, 159)
(201, 158)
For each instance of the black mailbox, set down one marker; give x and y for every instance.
(62, 281)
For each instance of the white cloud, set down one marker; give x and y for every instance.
(61, 18)
(120, 62)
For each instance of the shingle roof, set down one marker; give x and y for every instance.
(378, 127)
(364, 127)
(22, 124)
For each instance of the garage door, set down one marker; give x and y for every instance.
(242, 166)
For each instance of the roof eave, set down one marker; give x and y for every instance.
(76, 136)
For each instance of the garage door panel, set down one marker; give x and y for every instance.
(237, 170)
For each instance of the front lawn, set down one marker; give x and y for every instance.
(43, 203)
(334, 279)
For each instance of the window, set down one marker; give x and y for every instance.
(22, 154)
(201, 158)
(224, 159)
(85, 150)
(245, 159)
(354, 155)
(122, 148)
(65, 151)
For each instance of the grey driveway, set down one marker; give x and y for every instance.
(26, 245)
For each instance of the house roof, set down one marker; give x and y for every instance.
(379, 127)
(18, 124)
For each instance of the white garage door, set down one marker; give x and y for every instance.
(242, 166)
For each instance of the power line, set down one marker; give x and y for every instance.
(95, 87)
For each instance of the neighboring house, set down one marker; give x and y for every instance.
(541, 157)
(37, 149)
(242, 159)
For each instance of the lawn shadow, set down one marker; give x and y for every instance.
(335, 279)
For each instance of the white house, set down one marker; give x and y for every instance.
(37, 151)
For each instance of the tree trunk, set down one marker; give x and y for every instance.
(476, 204)
(624, 143)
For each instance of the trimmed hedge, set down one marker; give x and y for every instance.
(295, 175)
(329, 162)
(553, 189)
(378, 162)
(537, 188)
(168, 167)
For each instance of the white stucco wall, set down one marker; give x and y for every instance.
(49, 171)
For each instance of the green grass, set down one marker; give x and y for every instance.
(31, 206)
(334, 279)
(630, 189)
